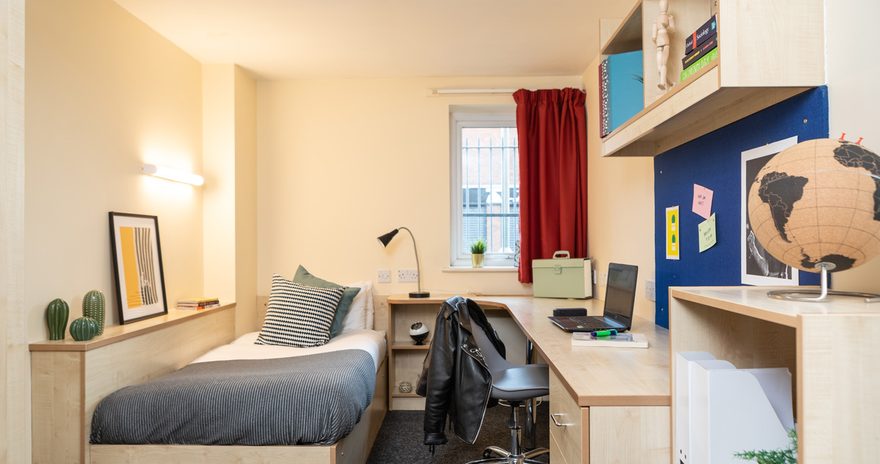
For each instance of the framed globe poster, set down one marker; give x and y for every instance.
(757, 266)
(137, 265)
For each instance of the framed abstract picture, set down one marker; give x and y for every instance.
(137, 265)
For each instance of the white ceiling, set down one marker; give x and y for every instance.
(385, 38)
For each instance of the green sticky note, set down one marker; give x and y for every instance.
(707, 233)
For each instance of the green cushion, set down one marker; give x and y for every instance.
(305, 277)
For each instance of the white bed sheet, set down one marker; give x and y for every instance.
(371, 341)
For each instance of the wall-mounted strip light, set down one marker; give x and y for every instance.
(474, 91)
(173, 174)
(492, 91)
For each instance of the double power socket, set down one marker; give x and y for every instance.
(383, 276)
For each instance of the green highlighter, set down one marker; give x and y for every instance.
(603, 333)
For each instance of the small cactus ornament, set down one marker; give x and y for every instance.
(83, 329)
(56, 318)
(93, 306)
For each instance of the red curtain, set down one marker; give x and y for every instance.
(552, 130)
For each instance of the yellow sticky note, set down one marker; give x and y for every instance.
(673, 227)
(707, 233)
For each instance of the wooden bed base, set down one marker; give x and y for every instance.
(70, 378)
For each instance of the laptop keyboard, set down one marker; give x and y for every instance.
(591, 323)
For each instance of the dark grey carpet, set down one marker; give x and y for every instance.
(401, 435)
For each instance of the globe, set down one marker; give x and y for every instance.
(817, 204)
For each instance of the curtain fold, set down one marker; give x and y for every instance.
(552, 130)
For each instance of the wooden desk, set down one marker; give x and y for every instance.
(612, 404)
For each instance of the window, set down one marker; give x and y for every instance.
(485, 186)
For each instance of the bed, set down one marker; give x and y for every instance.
(249, 394)
(354, 447)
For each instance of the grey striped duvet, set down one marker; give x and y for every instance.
(314, 399)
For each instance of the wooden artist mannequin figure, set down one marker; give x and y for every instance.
(663, 27)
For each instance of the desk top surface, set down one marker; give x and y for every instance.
(754, 302)
(595, 376)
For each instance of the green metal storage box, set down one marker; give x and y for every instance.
(562, 277)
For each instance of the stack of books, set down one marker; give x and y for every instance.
(621, 340)
(700, 48)
(198, 303)
(621, 90)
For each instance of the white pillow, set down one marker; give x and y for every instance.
(360, 314)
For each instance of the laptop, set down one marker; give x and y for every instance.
(620, 295)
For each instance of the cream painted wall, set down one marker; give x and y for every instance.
(104, 93)
(342, 161)
(218, 138)
(620, 205)
(230, 222)
(245, 201)
(853, 100)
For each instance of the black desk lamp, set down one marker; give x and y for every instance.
(386, 239)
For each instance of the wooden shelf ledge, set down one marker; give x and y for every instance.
(118, 333)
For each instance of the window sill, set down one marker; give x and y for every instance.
(488, 269)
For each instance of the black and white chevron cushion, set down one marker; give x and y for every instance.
(298, 315)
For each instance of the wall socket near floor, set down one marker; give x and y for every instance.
(650, 290)
(383, 276)
(407, 275)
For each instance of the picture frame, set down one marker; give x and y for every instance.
(757, 266)
(137, 266)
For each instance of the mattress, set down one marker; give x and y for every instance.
(371, 341)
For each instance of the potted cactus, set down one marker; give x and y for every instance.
(478, 249)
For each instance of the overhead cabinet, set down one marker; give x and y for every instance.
(768, 51)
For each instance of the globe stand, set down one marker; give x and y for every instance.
(820, 295)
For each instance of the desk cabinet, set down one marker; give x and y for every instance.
(605, 434)
(831, 349)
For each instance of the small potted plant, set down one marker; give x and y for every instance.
(477, 250)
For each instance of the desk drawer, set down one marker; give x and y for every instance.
(569, 425)
(629, 435)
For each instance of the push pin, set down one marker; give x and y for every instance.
(859, 141)
(842, 136)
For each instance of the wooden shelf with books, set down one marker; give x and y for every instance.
(766, 52)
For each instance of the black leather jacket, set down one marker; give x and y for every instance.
(455, 379)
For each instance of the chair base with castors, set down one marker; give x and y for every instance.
(516, 455)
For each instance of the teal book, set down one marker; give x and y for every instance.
(625, 89)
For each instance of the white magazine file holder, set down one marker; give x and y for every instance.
(731, 410)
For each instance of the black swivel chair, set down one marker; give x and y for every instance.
(514, 383)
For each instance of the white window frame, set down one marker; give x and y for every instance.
(461, 118)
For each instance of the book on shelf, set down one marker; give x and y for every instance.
(698, 52)
(198, 303)
(621, 340)
(702, 34)
(603, 99)
(199, 307)
(621, 89)
(699, 64)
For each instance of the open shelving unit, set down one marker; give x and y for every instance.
(769, 51)
(829, 348)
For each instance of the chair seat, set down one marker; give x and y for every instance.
(520, 382)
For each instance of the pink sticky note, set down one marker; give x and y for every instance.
(702, 201)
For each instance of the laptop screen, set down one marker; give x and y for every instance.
(620, 294)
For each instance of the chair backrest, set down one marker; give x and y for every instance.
(493, 359)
